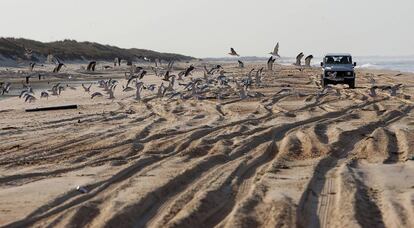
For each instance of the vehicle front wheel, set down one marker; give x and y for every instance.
(351, 84)
(325, 82)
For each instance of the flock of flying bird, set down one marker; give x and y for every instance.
(213, 82)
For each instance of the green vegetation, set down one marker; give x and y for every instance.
(67, 50)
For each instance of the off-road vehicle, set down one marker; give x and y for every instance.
(338, 69)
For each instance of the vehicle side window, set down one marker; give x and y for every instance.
(329, 60)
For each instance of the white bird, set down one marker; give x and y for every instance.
(275, 52)
(81, 189)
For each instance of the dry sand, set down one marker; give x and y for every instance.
(284, 160)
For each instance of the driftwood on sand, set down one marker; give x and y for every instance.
(52, 108)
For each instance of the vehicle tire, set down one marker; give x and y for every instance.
(352, 84)
(325, 82)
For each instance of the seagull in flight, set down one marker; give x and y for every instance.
(96, 94)
(188, 70)
(308, 60)
(241, 64)
(44, 94)
(59, 65)
(5, 88)
(299, 59)
(270, 63)
(87, 89)
(233, 52)
(91, 66)
(275, 52)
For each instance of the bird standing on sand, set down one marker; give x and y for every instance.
(275, 52)
(233, 52)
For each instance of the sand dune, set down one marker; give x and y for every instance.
(291, 158)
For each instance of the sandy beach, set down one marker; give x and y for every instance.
(291, 158)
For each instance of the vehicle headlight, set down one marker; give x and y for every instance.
(349, 73)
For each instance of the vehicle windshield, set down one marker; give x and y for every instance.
(338, 60)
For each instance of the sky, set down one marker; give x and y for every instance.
(208, 28)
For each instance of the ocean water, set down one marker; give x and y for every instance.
(403, 64)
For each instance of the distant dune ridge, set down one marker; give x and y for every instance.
(70, 50)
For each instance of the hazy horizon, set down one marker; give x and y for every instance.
(209, 28)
